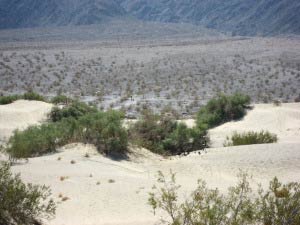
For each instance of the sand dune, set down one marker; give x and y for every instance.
(124, 201)
(20, 114)
(282, 120)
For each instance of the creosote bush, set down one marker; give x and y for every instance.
(4, 100)
(222, 109)
(103, 129)
(251, 138)
(163, 135)
(61, 99)
(75, 110)
(279, 205)
(23, 203)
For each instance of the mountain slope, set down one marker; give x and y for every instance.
(240, 17)
(243, 17)
(32, 13)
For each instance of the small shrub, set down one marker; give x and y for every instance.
(104, 130)
(74, 110)
(4, 100)
(251, 138)
(33, 96)
(222, 109)
(277, 103)
(163, 135)
(34, 141)
(277, 206)
(23, 203)
(61, 99)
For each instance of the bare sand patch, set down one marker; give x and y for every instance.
(21, 114)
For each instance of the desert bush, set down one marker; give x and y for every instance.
(280, 204)
(33, 96)
(222, 109)
(103, 129)
(34, 141)
(277, 206)
(23, 203)
(75, 110)
(163, 135)
(61, 99)
(251, 138)
(184, 139)
(4, 100)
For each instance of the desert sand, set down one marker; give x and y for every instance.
(21, 114)
(102, 191)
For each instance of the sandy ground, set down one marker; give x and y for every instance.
(124, 201)
(20, 114)
(282, 120)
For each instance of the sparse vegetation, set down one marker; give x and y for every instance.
(276, 206)
(251, 138)
(23, 203)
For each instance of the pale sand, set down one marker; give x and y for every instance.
(125, 201)
(282, 120)
(20, 114)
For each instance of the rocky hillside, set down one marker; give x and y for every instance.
(239, 17)
(242, 17)
(32, 13)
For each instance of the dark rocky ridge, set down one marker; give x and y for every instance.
(239, 17)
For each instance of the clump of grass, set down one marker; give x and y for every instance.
(4, 100)
(251, 138)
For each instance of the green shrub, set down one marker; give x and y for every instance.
(277, 206)
(103, 129)
(163, 135)
(184, 139)
(222, 109)
(34, 141)
(280, 204)
(75, 110)
(251, 138)
(61, 99)
(23, 203)
(4, 100)
(32, 96)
